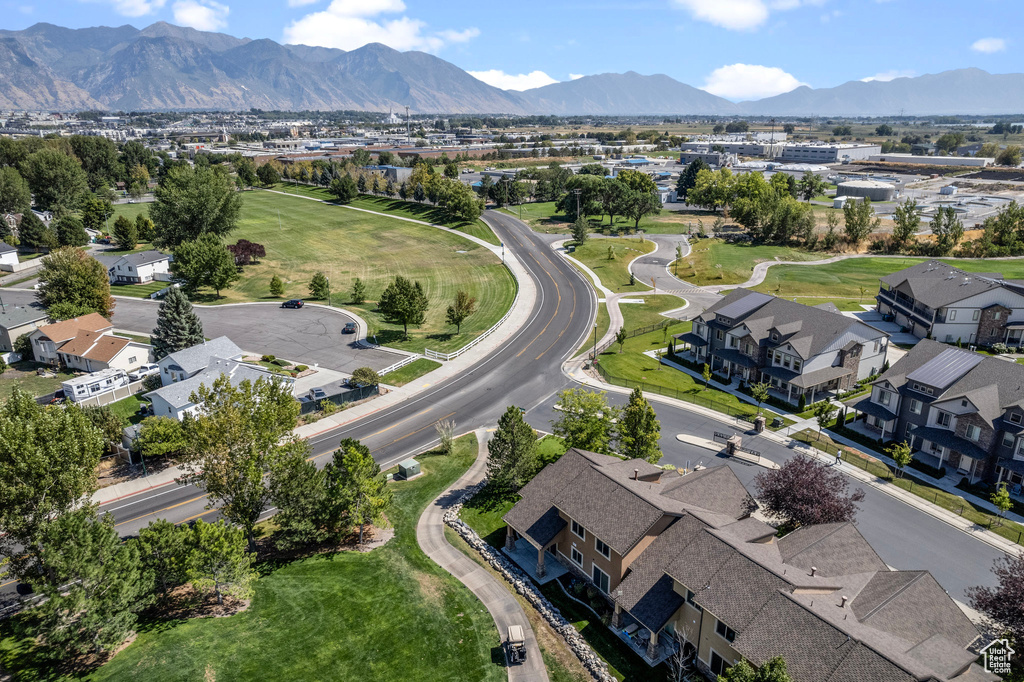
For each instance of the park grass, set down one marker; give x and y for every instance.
(737, 261)
(602, 322)
(137, 290)
(637, 315)
(544, 216)
(857, 278)
(398, 207)
(347, 244)
(614, 274)
(129, 211)
(386, 615)
(414, 370)
(30, 382)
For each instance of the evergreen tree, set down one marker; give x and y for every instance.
(144, 228)
(358, 291)
(364, 490)
(125, 234)
(218, 560)
(319, 287)
(403, 302)
(580, 231)
(344, 189)
(95, 212)
(163, 551)
(361, 184)
(34, 234)
(298, 490)
(512, 452)
(688, 178)
(70, 231)
(177, 325)
(276, 286)
(639, 430)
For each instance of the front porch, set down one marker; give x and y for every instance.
(653, 647)
(541, 566)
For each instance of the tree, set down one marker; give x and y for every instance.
(688, 178)
(463, 307)
(948, 230)
(620, 338)
(70, 275)
(824, 413)
(57, 180)
(95, 212)
(111, 424)
(585, 420)
(163, 551)
(637, 205)
(319, 286)
(70, 231)
(1011, 156)
(512, 452)
(364, 490)
(65, 310)
(884, 130)
(907, 220)
(361, 157)
(160, 437)
(1003, 603)
(901, 455)
(138, 181)
(639, 430)
(34, 234)
(125, 234)
(236, 439)
(403, 302)
(48, 460)
(611, 194)
(580, 231)
(712, 190)
(299, 492)
(144, 228)
(805, 492)
(949, 142)
(773, 670)
(15, 196)
(344, 189)
(810, 186)
(204, 262)
(358, 292)
(218, 561)
(364, 376)
(246, 252)
(246, 172)
(268, 175)
(860, 221)
(95, 587)
(192, 202)
(177, 325)
(451, 171)
(1000, 498)
(705, 374)
(759, 392)
(276, 286)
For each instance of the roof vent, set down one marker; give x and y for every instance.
(842, 604)
(967, 280)
(814, 569)
(636, 474)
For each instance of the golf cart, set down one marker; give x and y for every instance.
(515, 645)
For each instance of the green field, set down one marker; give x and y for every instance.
(414, 370)
(137, 290)
(543, 216)
(614, 274)
(737, 261)
(128, 408)
(390, 614)
(636, 315)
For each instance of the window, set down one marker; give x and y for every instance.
(131, 360)
(915, 406)
(996, 316)
(786, 361)
(884, 397)
(578, 531)
(1007, 440)
(690, 600)
(718, 666)
(576, 556)
(775, 337)
(725, 631)
(973, 432)
(1015, 418)
(797, 365)
(935, 448)
(601, 579)
(943, 418)
(975, 316)
(963, 403)
(603, 549)
(949, 338)
(952, 315)
(732, 342)
(719, 334)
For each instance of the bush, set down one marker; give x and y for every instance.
(802, 404)
(999, 348)
(280, 363)
(927, 469)
(268, 358)
(301, 368)
(152, 382)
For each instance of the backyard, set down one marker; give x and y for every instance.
(23, 375)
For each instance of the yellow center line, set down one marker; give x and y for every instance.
(142, 516)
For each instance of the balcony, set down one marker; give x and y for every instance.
(638, 638)
(921, 313)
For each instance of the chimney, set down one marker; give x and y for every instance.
(636, 474)
(842, 604)
(814, 569)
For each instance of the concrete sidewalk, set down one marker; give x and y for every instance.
(500, 602)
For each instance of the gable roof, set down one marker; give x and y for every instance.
(178, 395)
(95, 346)
(7, 248)
(195, 358)
(65, 330)
(12, 316)
(142, 258)
(936, 284)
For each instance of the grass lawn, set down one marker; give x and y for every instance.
(737, 261)
(856, 277)
(129, 211)
(137, 290)
(414, 370)
(543, 216)
(637, 315)
(614, 274)
(390, 614)
(405, 209)
(23, 375)
(844, 304)
(348, 244)
(128, 408)
(602, 327)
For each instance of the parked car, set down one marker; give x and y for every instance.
(294, 303)
(144, 371)
(350, 328)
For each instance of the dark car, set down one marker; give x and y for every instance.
(350, 328)
(294, 303)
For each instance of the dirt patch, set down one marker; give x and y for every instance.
(186, 602)
(209, 675)
(373, 537)
(431, 588)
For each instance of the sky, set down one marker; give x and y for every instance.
(737, 49)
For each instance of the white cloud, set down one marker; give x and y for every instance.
(349, 24)
(575, 76)
(887, 76)
(509, 81)
(989, 45)
(137, 8)
(301, 3)
(204, 15)
(749, 81)
(739, 15)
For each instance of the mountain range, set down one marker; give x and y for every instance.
(166, 67)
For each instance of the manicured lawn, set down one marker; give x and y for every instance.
(129, 211)
(737, 261)
(602, 327)
(844, 304)
(543, 216)
(348, 244)
(390, 614)
(23, 375)
(414, 370)
(637, 315)
(138, 290)
(128, 408)
(847, 278)
(614, 273)
(405, 209)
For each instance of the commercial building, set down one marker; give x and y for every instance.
(713, 159)
(866, 189)
(825, 153)
(970, 161)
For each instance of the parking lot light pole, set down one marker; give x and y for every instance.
(594, 356)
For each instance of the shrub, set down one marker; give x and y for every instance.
(280, 363)
(999, 348)
(578, 587)
(591, 592)
(301, 368)
(802, 404)
(268, 358)
(927, 469)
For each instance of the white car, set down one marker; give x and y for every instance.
(144, 371)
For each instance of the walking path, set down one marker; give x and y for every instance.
(501, 603)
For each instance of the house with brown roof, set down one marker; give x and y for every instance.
(689, 567)
(87, 343)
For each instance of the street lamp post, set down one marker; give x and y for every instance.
(594, 356)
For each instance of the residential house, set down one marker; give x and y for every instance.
(16, 321)
(8, 254)
(98, 383)
(91, 351)
(798, 349)
(937, 301)
(684, 565)
(175, 400)
(959, 410)
(190, 361)
(138, 268)
(46, 340)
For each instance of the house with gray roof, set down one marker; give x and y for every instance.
(175, 400)
(141, 267)
(798, 349)
(958, 410)
(8, 254)
(190, 361)
(18, 320)
(938, 301)
(685, 565)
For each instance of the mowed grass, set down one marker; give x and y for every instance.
(544, 216)
(737, 261)
(857, 278)
(414, 370)
(614, 273)
(346, 244)
(387, 615)
(137, 290)
(602, 322)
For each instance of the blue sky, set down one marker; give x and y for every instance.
(739, 49)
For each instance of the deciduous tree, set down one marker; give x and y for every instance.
(192, 202)
(639, 429)
(759, 392)
(463, 306)
(906, 222)
(1003, 603)
(161, 437)
(901, 454)
(585, 420)
(344, 189)
(403, 302)
(144, 228)
(860, 221)
(773, 670)
(70, 275)
(268, 175)
(512, 452)
(204, 262)
(56, 179)
(15, 196)
(805, 492)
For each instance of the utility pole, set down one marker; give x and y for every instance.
(577, 192)
(771, 149)
(593, 358)
(408, 134)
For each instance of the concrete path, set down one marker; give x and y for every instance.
(501, 603)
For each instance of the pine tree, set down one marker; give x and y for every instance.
(163, 550)
(276, 286)
(177, 325)
(639, 430)
(219, 560)
(125, 234)
(358, 291)
(70, 231)
(319, 287)
(512, 452)
(34, 234)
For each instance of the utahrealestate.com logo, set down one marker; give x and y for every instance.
(997, 657)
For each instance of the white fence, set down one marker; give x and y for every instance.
(401, 363)
(435, 355)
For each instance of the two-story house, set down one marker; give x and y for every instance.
(190, 361)
(959, 410)
(941, 302)
(798, 349)
(48, 339)
(141, 267)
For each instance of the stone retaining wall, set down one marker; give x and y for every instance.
(525, 586)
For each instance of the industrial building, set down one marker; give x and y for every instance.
(827, 153)
(970, 161)
(867, 189)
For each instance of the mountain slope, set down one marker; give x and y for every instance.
(28, 84)
(625, 93)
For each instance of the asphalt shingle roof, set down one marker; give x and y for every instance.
(198, 357)
(62, 331)
(178, 394)
(142, 258)
(17, 316)
(936, 284)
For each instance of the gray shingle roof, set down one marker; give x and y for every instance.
(16, 316)
(936, 284)
(832, 548)
(198, 357)
(7, 248)
(142, 258)
(178, 394)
